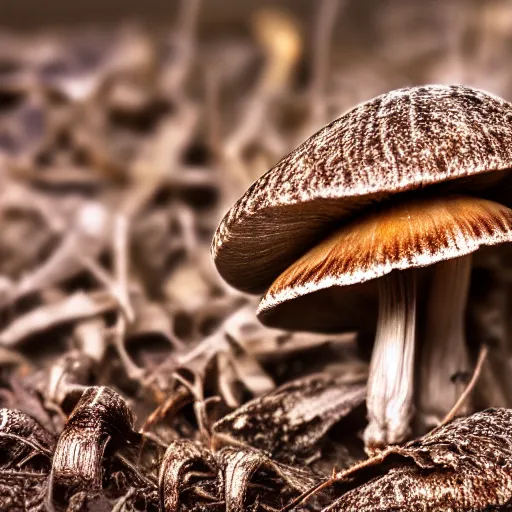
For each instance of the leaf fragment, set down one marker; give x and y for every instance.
(290, 421)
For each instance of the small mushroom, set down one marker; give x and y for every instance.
(346, 224)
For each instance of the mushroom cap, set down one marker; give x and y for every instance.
(312, 295)
(403, 140)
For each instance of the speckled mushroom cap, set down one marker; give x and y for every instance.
(399, 141)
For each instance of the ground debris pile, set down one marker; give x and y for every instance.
(132, 378)
(464, 465)
(99, 460)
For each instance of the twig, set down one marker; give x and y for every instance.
(176, 400)
(324, 26)
(15, 196)
(160, 158)
(86, 238)
(33, 444)
(280, 38)
(120, 250)
(188, 17)
(341, 475)
(212, 107)
(482, 356)
(191, 176)
(186, 219)
(206, 348)
(147, 479)
(196, 390)
(12, 357)
(75, 307)
(176, 75)
(120, 506)
(107, 280)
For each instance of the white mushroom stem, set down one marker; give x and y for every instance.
(444, 361)
(390, 382)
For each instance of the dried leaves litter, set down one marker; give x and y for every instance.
(132, 378)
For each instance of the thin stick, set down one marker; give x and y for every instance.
(304, 496)
(188, 18)
(212, 115)
(195, 388)
(77, 306)
(340, 475)
(90, 335)
(120, 250)
(34, 445)
(86, 237)
(325, 22)
(106, 280)
(482, 356)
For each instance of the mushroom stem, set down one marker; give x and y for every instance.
(390, 382)
(444, 363)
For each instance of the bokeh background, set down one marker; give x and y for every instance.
(127, 130)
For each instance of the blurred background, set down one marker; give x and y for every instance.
(127, 130)
(463, 39)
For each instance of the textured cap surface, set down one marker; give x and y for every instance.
(399, 236)
(402, 140)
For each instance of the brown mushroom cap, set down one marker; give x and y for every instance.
(410, 234)
(399, 141)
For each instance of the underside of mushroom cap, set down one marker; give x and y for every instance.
(314, 292)
(403, 140)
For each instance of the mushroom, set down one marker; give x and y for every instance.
(392, 197)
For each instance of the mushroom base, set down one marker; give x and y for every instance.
(390, 382)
